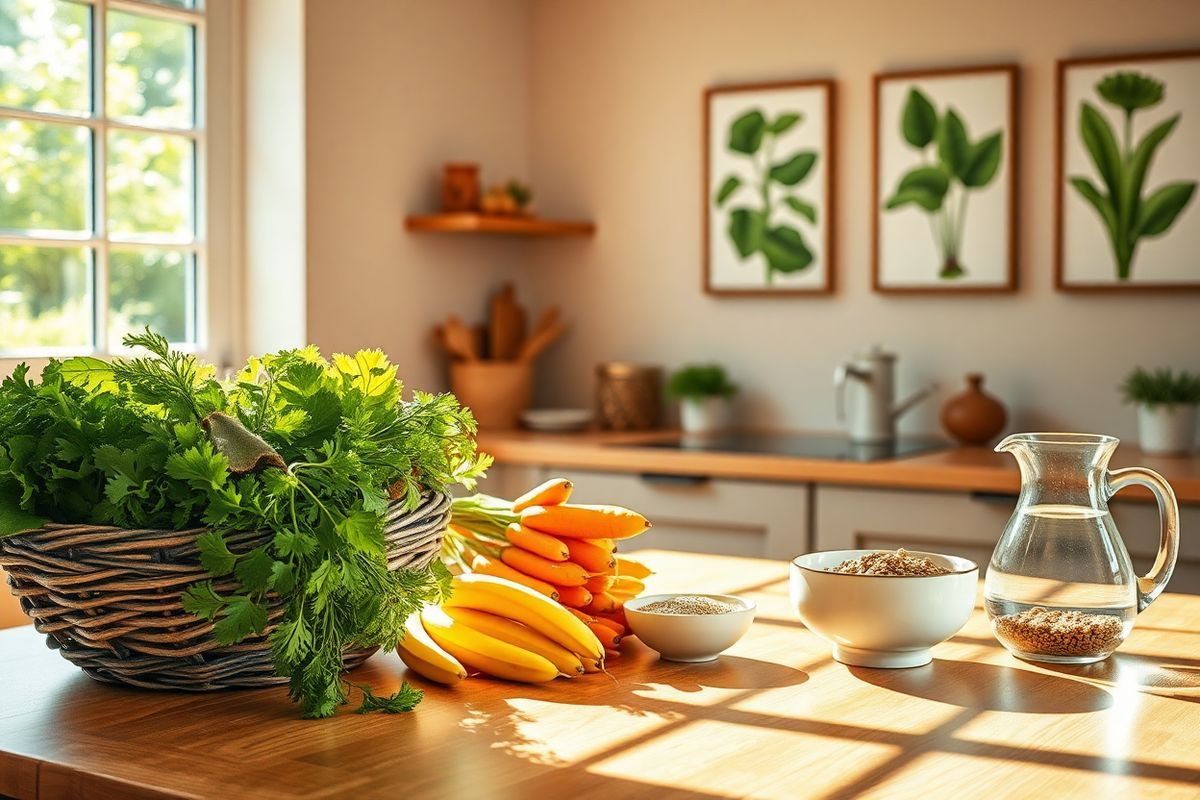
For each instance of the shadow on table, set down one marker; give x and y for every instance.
(989, 687)
(1147, 674)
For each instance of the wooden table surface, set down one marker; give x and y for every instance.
(956, 469)
(775, 717)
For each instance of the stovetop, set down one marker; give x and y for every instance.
(834, 447)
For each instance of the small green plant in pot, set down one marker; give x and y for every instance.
(1167, 402)
(704, 392)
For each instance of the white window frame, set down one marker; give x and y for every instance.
(217, 198)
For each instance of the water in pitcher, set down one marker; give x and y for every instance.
(1066, 590)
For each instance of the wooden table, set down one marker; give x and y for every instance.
(774, 717)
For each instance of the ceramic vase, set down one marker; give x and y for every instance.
(1167, 429)
(973, 417)
(703, 414)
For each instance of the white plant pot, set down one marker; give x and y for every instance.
(704, 414)
(1167, 430)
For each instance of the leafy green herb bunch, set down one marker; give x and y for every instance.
(1161, 387)
(310, 450)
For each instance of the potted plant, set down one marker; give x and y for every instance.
(704, 392)
(1166, 403)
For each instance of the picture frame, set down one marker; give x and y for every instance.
(1152, 118)
(768, 201)
(926, 237)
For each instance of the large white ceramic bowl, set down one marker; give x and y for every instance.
(879, 621)
(689, 637)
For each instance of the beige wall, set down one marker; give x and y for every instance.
(396, 88)
(616, 133)
(602, 102)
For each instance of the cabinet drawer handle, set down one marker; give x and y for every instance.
(668, 479)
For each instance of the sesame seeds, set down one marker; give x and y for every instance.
(689, 604)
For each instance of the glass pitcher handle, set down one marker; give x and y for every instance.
(1150, 586)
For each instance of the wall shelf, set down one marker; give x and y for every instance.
(493, 224)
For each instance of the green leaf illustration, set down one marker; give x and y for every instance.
(795, 169)
(728, 187)
(785, 122)
(918, 121)
(806, 210)
(1099, 201)
(1143, 155)
(1161, 208)
(785, 249)
(983, 162)
(954, 148)
(746, 135)
(1130, 90)
(1101, 144)
(924, 186)
(746, 227)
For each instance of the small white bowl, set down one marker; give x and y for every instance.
(877, 620)
(690, 637)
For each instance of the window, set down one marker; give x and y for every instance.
(101, 138)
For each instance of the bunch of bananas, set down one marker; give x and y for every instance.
(500, 628)
(566, 552)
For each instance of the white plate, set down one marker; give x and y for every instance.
(556, 419)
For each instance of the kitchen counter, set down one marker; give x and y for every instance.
(962, 469)
(773, 718)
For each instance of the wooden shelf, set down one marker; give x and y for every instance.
(485, 223)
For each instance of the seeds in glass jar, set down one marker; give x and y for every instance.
(889, 564)
(1060, 633)
(689, 604)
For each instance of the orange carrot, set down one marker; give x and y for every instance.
(542, 544)
(613, 625)
(498, 569)
(587, 555)
(574, 596)
(585, 522)
(560, 573)
(603, 544)
(607, 636)
(600, 583)
(551, 493)
(602, 603)
(611, 653)
(582, 617)
(617, 616)
(634, 569)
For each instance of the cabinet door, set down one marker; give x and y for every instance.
(704, 515)
(969, 525)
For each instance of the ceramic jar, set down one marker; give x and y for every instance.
(973, 417)
(1167, 429)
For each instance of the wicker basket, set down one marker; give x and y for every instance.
(108, 599)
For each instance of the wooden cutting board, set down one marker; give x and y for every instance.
(506, 325)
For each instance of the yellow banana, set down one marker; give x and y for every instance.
(515, 633)
(486, 653)
(517, 602)
(423, 656)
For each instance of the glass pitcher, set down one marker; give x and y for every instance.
(1060, 586)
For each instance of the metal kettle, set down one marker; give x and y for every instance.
(865, 388)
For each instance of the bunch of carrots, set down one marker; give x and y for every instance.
(565, 551)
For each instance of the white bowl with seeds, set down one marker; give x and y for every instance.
(883, 608)
(689, 627)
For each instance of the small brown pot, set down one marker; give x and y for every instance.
(495, 391)
(973, 417)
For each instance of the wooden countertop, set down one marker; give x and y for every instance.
(774, 717)
(959, 469)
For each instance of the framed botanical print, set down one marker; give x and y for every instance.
(944, 199)
(768, 205)
(1128, 167)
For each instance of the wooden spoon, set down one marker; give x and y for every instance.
(541, 339)
(459, 339)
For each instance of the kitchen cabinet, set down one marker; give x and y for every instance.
(690, 513)
(969, 524)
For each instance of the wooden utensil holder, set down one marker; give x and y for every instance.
(495, 391)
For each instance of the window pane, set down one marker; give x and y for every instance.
(45, 298)
(44, 176)
(150, 287)
(177, 3)
(149, 72)
(150, 185)
(44, 55)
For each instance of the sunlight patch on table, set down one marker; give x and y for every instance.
(848, 702)
(561, 734)
(722, 758)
